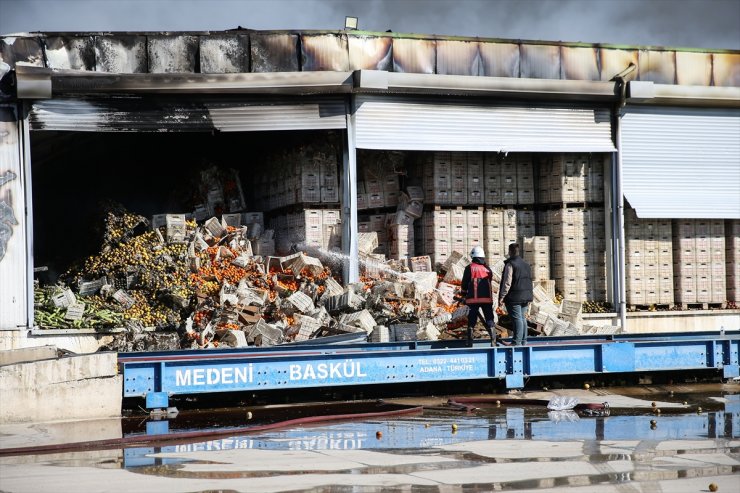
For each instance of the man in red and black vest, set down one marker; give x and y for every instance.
(477, 290)
(516, 292)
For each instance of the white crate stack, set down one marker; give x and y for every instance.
(732, 259)
(401, 241)
(649, 262)
(434, 235)
(508, 180)
(571, 178)
(536, 251)
(379, 185)
(473, 178)
(301, 177)
(312, 227)
(376, 223)
(505, 226)
(577, 259)
(493, 234)
(458, 178)
(437, 179)
(699, 261)
(444, 231)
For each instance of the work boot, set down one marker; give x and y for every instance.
(492, 336)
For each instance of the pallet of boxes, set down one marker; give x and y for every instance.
(699, 263)
(732, 261)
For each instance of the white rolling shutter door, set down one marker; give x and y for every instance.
(438, 125)
(137, 114)
(682, 162)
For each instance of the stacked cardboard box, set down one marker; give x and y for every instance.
(505, 226)
(310, 228)
(732, 258)
(472, 178)
(577, 258)
(376, 223)
(401, 241)
(379, 183)
(699, 261)
(508, 180)
(536, 251)
(567, 178)
(649, 260)
(442, 232)
(302, 176)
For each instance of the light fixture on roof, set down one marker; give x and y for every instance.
(350, 22)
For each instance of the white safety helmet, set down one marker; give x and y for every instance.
(477, 252)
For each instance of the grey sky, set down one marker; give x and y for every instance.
(685, 23)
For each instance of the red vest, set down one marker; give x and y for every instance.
(480, 289)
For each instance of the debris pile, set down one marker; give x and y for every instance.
(218, 284)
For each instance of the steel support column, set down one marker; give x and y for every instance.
(25, 109)
(351, 269)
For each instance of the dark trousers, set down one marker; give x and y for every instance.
(518, 312)
(487, 314)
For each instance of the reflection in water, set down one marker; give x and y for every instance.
(426, 432)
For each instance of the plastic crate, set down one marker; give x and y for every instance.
(403, 332)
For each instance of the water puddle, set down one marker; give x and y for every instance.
(502, 447)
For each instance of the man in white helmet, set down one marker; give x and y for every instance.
(477, 290)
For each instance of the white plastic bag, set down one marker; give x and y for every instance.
(562, 403)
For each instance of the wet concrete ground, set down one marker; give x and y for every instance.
(494, 448)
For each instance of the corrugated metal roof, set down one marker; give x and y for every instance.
(417, 124)
(682, 162)
(294, 51)
(138, 114)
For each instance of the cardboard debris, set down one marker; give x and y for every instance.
(423, 282)
(361, 319)
(367, 242)
(264, 334)
(333, 288)
(456, 258)
(123, 298)
(571, 307)
(428, 333)
(455, 273)
(234, 338)
(228, 294)
(380, 334)
(422, 263)
(300, 302)
(215, 228)
(446, 293)
(303, 264)
(306, 327)
(75, 311)
(349, 301)
(63, 299)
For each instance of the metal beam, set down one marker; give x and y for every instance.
(374, 81)
(39, 83)
(646, 92)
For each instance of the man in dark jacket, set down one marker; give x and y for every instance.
(516, 292)
(477, 290)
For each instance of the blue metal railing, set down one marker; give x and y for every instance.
(159, 375)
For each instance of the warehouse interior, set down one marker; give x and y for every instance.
(146, 173)
(495, 199)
